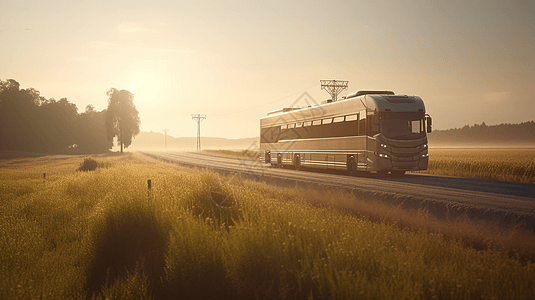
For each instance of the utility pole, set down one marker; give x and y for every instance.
(166, 131)
(333, 87)
(199, 118)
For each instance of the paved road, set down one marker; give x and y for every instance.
(502, 198)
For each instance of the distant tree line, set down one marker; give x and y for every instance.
(30, 122)
(522, 134)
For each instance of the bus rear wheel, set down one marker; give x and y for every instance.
(298, 162)
(352, 166)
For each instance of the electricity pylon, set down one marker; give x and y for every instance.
(333, 87)
(166, 131)
(199, 118)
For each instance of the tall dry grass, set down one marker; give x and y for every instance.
(102, 234)
(516, 165)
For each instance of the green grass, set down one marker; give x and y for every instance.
(102, 234)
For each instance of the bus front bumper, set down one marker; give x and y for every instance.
(403, 164)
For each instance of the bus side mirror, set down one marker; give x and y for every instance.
(429, 123)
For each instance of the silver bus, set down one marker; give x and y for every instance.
(366, 131)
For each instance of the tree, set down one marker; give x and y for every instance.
(90, 109)
(30, 122)
(122, 120)
(57, 128)
(92, 136)
(19, 117)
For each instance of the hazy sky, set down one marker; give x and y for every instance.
(471, 61)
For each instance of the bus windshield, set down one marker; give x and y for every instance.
(403, 125)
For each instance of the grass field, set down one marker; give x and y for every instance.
(103, 234)
(516, 165)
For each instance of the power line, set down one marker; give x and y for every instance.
(198, 118)
(265, 104)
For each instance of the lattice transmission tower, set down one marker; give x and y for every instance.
(334, 87)
(199, 118)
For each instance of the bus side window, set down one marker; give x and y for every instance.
(327, 121)
(316, 122)
(307, 123)
(338, 119)
(352, 117)
(283, 132)
(274, 134)
(352, 125)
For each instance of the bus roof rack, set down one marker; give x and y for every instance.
(360, 93)
(284, 109)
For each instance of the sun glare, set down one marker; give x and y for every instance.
(144, 86)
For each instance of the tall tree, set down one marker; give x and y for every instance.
(19, 118)
(122, 120)
(92, 136)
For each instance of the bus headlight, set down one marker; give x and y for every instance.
(383, 155)
(425, 155)
(383, 145)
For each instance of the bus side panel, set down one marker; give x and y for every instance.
(320, 153)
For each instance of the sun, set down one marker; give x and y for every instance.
(144, 86)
